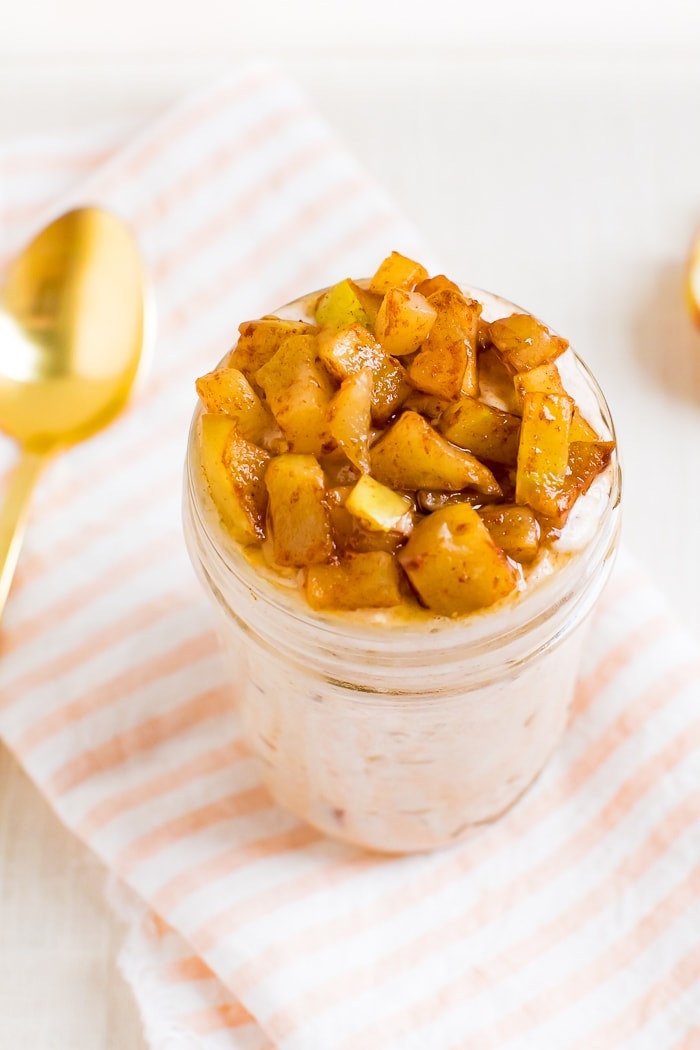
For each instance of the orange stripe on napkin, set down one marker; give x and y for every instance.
(661, 995)
(118, 804)
(144, 737)
(166, 664)
(241, 804)
(181, 886)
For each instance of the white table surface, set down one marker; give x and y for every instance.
(570, 183)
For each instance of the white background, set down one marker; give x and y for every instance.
(546, 150)
(69, 28)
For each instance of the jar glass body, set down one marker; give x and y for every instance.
(401, 736)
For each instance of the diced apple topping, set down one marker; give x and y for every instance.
(299, 519)
(524, 342)
(341, 306)
(446, 365)
(258, 341)
(346, 352)
(397, 271)
(227, 391)
(412, 455)
(369, 580)
(378, 507)
(404, 321)
(543, 452)
(349, 417)
(437, 284)
(454, 564)
(484, 431)
(234, 469)
(515, 530)
(298, 390)
(401, 450)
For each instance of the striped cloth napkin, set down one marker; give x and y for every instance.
(572, 923)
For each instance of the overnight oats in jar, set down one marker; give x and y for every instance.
(402, 496)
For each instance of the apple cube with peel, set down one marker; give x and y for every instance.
(227, 391)
(514, 529)
(378, 507)
(524, 342)
(484, 431)
(581, 429)
(446, 364)
(258, 341)
(397, 271)
(349, 417)
(543, 452)
(341, 306)
(299, 390)
(298, 512)
(437, 284)
(453, 563)
(587, 459)
(369, 580)
(403, 322)
(543, 379)
(370, 301)
(412, 455)
(345, 352)
(234, 470)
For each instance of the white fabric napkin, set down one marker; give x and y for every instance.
(572, 922)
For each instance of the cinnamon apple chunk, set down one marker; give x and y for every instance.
(298, 390)
(342, 305)
(581, 429)
(369, 580)
(484, 431)
(349, 417)
(346, 352)
(403, 322)
(397, 271)
(586, 460)
(543, 379)
(446, 364)
(412, 455)
(524, 342)
(437, 284)
(298, 512)
(234, 470)
(543, 451)
(514, 529)
(454, 564)
(427, 404)
(227, 391)
(258, 341)
(378, 507)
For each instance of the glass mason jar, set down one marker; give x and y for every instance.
(402, 736)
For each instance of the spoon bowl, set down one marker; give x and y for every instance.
(74, 325)
(692, 282)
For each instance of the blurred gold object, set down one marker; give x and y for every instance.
(74, 325)
(692, 286)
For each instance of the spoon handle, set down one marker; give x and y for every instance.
(13, 517)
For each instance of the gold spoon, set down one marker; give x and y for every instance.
(74, 318)
(692, 284)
